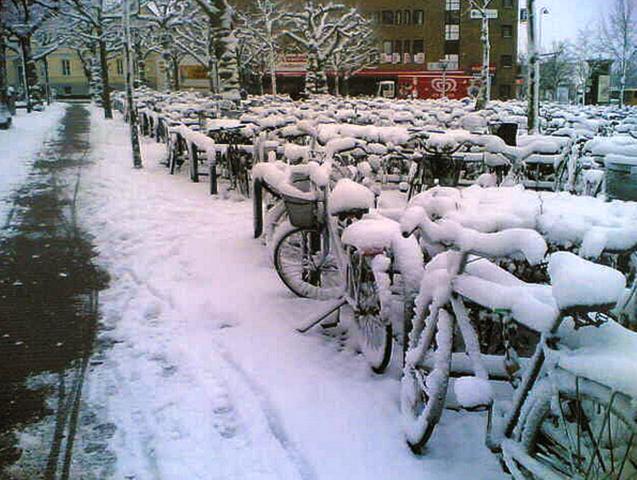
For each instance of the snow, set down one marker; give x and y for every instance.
(18, 148)
(206, 378)
(605, 354)
(578, 282)
(614, 158)
(349, 195)
(472, 392)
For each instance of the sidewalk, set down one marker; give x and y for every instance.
(48, 313)
(207, 377)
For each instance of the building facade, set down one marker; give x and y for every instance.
(418, 39)
(416, 36)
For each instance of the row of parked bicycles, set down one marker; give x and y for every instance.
(471, 260)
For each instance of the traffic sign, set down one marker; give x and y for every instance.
(476, 14)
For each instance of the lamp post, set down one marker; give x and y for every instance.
(541, 12)
(444, 64)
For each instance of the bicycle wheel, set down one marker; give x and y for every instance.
(303, 265)
(424, 383)
(573, 428)
(374, 328)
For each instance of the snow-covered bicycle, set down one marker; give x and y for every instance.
(573, 414)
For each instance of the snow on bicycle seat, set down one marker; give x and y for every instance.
(349, 196)
(579, 284)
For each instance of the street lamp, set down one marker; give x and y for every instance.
(542, 11)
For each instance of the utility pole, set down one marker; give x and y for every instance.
(130, 104)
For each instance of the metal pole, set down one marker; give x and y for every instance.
(132, 113)
(444, 79)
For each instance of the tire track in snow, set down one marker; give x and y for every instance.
(272, 417)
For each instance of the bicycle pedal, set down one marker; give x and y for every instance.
(329, 324)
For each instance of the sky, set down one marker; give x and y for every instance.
(565, 18)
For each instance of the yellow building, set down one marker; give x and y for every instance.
(66, 73)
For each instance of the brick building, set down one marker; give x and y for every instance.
(416, 34)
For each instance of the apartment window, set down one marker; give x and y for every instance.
(452, 17)
(407, 17)
(398, 17)
(376, 17)
(387, 52)
(453, 5)
(66, 67)
(419, 17)
(452, 32)
(418, 46)
(507, 3)
(120, 66)
(506, 61)
(387, 17)
(507, 31)
(452, 46)
(398, 47)
(505, 91)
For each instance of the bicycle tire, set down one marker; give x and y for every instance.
(577, 406)
(375, 333)
(295, 254)
(421, 409)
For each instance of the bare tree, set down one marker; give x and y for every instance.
(264, 27)
(254, 60)
(222, 49)
(4, 99)
(160, 18)
(22, 19)
(97, 23)
(558, 67)
(619, 39)
(317, 31)
(484, 95)
(196, 38)
(357, 50)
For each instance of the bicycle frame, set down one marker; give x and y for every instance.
(548, 344)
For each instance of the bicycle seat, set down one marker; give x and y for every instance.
(578, 284)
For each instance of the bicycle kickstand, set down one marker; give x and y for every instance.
(312, 322)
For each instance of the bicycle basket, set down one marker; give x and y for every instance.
(443, 168)
(302, 213)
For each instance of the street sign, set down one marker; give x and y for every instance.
(442, 66)
(476, 15)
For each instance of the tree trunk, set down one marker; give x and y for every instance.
(169, 81)
(622, 83)
(4, 100)
(47, 81)
(175, 67)
(532, 77)
(485, 89)
(273, 73)
(106, 89)
(337, 81)
(212, 58)
(25, 50)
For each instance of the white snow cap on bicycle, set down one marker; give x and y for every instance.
(578, 282)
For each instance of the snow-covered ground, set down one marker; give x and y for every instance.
(16, 156)
(207, 378)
